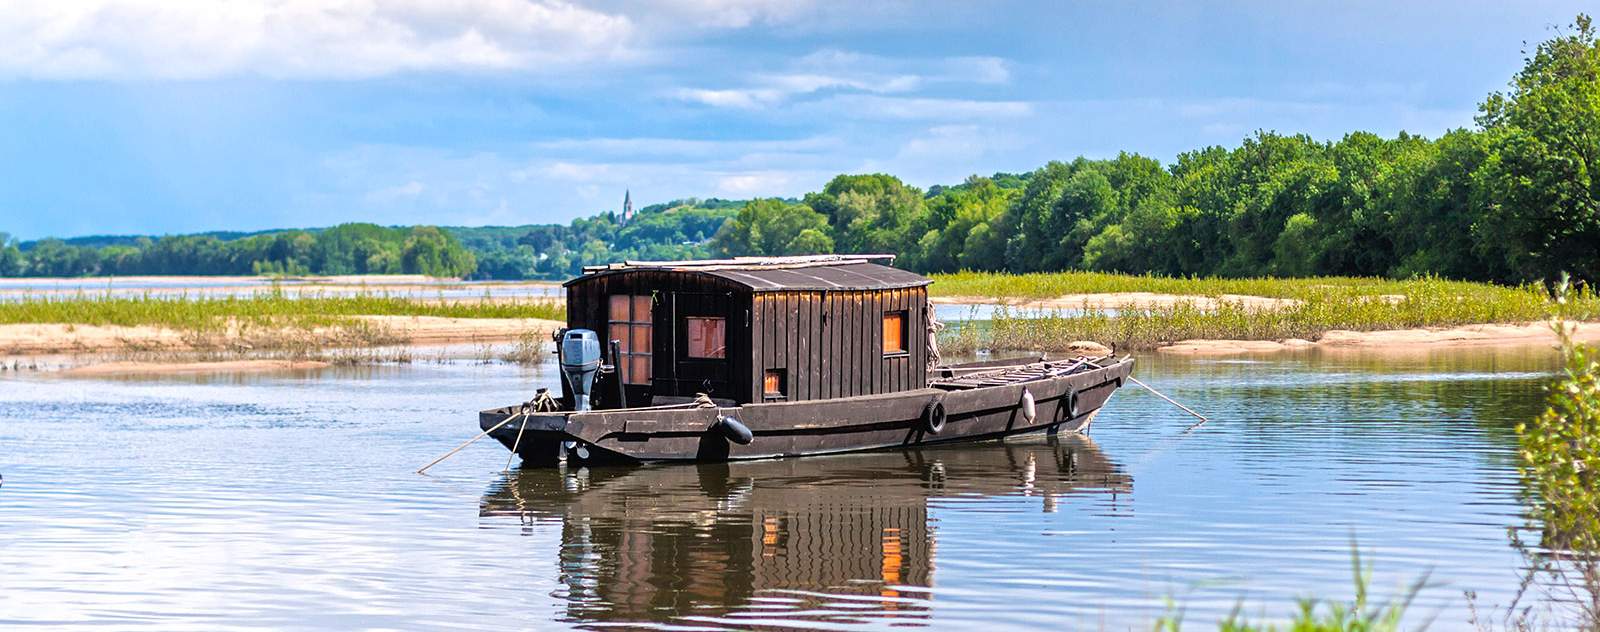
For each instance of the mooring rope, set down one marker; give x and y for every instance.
(541, 403)
(934, 327)
(470, 442)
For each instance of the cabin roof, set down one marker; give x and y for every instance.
(770, 274)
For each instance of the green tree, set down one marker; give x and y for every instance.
(868, 213)
(1038, 228)
(1541, 172)
(12, 263)
(948, 222)
(773, 227)
(435, 253)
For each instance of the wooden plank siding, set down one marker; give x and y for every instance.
(829, 343)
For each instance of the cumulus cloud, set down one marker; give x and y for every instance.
(137, 39)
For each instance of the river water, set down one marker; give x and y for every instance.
(291, 502)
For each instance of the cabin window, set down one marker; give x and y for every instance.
(772, 386)
(707, 337)
(894, 332)
(628, 322)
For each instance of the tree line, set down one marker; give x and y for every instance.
(343, 249)
(1512, 200)
(1515, 198)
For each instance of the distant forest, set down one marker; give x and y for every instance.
(1514, 199)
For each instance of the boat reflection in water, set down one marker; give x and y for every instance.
(833, 541)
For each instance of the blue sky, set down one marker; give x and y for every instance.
(133, 116)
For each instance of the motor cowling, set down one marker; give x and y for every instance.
(580, 362)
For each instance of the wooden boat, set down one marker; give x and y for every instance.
(753, 358)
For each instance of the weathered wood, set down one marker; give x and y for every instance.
(823, 328)
(827, 426)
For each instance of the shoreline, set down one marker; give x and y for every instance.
(1395, 341)
(311, 279)
(56, 338)
(123, 368)
(1119, 300)
(254, 348)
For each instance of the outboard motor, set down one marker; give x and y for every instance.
(580, 361)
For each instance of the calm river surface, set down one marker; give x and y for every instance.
(291, 502)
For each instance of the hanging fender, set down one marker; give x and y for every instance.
(735, 430)
(1029, 410)
(933, 416)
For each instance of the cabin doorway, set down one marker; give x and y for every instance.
(697, 357)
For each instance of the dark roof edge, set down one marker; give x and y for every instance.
(778, 274)
(746, 263)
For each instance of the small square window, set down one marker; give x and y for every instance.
(772, 385)
(894, 332)
(706, 337)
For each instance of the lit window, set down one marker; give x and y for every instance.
(772, 384)
(894, 332)
(706, 337)
(628, 322)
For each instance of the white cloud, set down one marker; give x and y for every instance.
(831, 70)
(870, 106)
(748, 99)
(736, 13)
(407, 191)
(756, 184)
(680, 148)
(136, 39)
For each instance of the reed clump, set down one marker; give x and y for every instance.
(1211, 308)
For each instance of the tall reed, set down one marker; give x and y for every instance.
(1214, 308)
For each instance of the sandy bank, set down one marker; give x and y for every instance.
(1122, 300)
(58, 338)
(1394, 340)
(191, 368)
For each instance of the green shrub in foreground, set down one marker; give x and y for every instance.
(1560, 466)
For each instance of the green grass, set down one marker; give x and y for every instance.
(1053, 284)
(1319, 305)
(207, 313)
(1325, 615)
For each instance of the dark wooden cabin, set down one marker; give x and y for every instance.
(758, 330)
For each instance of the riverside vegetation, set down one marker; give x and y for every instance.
(1210, 308)
(1205, 309)
(273, 324)
(204, 312)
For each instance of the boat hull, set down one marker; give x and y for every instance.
(1066, 403)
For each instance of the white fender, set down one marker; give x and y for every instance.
(1028, 409)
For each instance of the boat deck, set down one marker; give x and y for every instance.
(981, 377)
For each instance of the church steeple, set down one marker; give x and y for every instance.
(627, 205)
